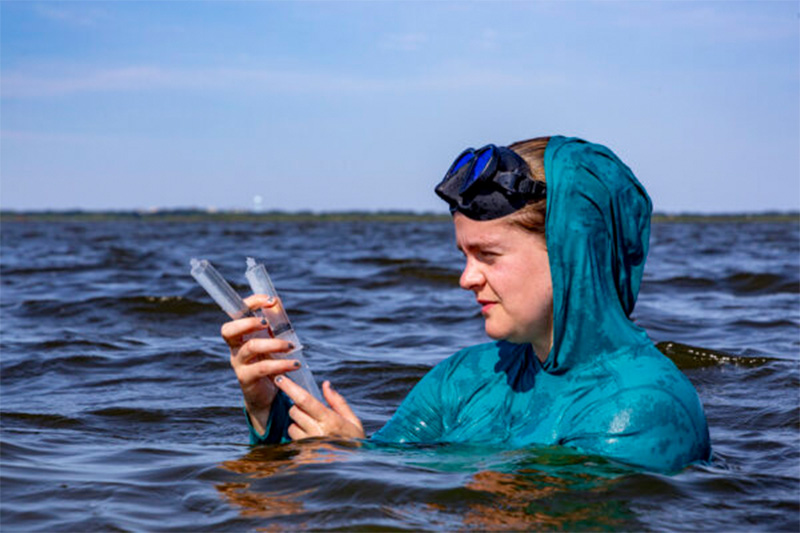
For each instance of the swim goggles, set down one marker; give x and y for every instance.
(488, 183)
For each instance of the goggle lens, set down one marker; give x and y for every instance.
(463, 160)
(481, 164)
(479, 161)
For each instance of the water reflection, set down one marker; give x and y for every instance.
(535, 500)
(275, 462)
(444, 487)
(262, 505)
(266, 461)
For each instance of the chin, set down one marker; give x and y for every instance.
(498, 334)
(505, 335)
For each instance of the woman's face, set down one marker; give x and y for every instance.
(508, 270)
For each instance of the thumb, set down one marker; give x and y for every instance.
(339, 404)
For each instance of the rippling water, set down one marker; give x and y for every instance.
(120, 411)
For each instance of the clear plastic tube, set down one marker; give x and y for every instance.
(219, 289)
(260, 283)
(226, 297)
(229, 300)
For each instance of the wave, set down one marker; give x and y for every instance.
(688, 357)
(122, 305)
(40, 420)
(739, 283)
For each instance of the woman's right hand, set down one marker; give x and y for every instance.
(254, 363)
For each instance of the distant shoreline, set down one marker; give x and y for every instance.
(199, 215)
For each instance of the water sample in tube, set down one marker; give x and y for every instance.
(229, 300)
(260, 283)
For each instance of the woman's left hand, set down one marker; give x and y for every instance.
(313, 419)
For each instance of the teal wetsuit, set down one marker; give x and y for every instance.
(604, 388)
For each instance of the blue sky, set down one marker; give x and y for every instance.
(330, 106)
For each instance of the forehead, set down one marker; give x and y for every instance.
(484, 233)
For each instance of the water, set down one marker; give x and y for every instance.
(119, 410)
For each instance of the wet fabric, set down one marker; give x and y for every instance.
(277, 429)
(604, 388)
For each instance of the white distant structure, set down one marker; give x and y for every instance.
(257, 201)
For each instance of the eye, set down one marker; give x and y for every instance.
(487, 256)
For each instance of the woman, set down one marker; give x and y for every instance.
(555, 234)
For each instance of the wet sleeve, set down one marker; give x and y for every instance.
(277, 430)
(644, 427)
(420, 417)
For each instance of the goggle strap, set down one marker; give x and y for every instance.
(516, 183)
(533, 188)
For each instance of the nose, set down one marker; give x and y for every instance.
(472, 278)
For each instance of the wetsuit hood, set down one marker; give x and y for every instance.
(598, 231)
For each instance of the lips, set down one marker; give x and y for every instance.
(486, 305)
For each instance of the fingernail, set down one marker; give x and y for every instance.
(296, 364)
(263, 321)
(278, 379)
(291, 346)
(271, 300)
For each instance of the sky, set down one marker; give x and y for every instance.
(335, 106)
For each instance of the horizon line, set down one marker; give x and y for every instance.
(212, 212)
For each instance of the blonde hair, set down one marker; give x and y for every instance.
(532, 216)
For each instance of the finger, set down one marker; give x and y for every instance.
(261, 349)
(295, 433)
(339, 404)
(301, 397)
(257, 301)
(305, 422)
(233, 331)
(247, 374)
